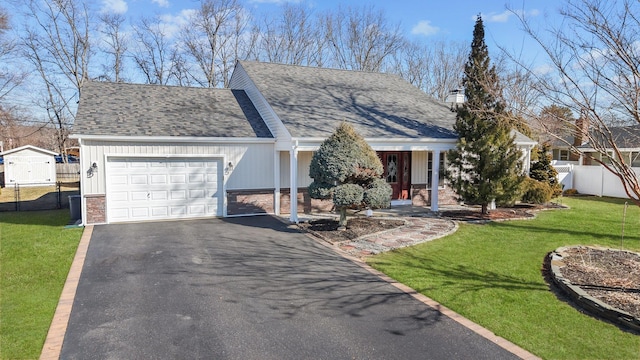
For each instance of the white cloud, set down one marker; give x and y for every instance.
(425, 28)
(161, 3)
(505, 15)
(171, 24)
(114, 6)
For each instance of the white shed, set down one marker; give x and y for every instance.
(29, 166)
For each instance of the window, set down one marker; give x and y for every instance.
(560, 154)
(430, 168)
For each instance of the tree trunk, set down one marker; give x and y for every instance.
(485, 209)
(342, 224)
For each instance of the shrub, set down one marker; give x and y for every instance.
(348, 195)
(536, 192)
(570, 192)
(378, 194)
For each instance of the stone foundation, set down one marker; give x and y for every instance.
(96, 209)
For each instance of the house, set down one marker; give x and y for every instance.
(29, 166)
(626, 139)
(152, 152)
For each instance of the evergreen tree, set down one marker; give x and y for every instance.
(485, 165)
(348, 171)
(543, 171)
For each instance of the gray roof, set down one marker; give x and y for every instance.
(311, 102)
(625, 137)
(153, 110)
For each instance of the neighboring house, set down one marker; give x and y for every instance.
(626, 138)
(29, 166)
(153, 152)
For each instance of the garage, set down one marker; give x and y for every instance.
(143, 189)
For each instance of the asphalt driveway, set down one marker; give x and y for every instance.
(246, 288)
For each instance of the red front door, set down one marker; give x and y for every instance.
(397, 166)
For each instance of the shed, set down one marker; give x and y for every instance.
(29, 166)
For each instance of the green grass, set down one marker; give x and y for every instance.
(36, 252)
(491, 274)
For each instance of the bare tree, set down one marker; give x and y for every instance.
(595, 62)
(206, 33)
(240, 44)
(290, 39)
(435, 67)
(10, 77)
(57, 43)
(114, 44)
(153, 53)
(361, 38)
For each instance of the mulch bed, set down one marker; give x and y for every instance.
(356, 227)
(610, 276)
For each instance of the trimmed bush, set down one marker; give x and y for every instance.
(378, 194)
(536, 192)
(348, 195)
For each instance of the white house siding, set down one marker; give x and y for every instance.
(419, 167)
(252, 163)
(240, 81)
(304, 162)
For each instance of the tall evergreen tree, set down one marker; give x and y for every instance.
(348, 171)
(485, 165)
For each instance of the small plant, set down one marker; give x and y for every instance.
(536, 192)
(570, 192)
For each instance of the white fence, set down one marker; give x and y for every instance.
(591, 180)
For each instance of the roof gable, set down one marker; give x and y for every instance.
(120, 109)
(29, 147)
(311, 102)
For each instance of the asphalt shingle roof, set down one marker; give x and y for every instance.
(625, 137)
(122, 109)
(311, 102)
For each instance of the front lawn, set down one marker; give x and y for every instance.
(491, 274)
(36, 252)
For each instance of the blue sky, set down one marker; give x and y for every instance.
(419, 19)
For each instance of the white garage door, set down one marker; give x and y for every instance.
(157, 189)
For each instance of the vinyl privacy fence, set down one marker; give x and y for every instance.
(592, 180)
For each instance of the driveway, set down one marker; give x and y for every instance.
(246, 288)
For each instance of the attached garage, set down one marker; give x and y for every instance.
(141, 188)
(29, 166)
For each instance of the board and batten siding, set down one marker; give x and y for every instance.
(253, 164)
(419, 163)
(304, 161)
(241, 81)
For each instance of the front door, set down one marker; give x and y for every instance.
(397, 172)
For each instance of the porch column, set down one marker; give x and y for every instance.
(293, 181)
(435, 179)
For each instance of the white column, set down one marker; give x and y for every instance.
(276, 181)
(293, 183)
(435, 179)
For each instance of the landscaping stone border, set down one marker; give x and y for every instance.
(586, 301)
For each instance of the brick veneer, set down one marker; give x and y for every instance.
(96, 209)
(421, 195)
(241, 202)
(306, 204)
